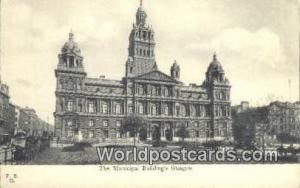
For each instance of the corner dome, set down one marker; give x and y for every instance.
(71, 46)
(215, 65)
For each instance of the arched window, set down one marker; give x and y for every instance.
(118, 108)
(71, 61)
(166, 92)
(153, 109)
(153, 92)
(196, 124)
(69, 123)
(141, 109)
(61, 84)
(183, 110)
(91, 107)
(166, 110)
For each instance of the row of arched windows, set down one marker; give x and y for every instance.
(144, 35)
(69, 84)
(144, 52)
(154, 90)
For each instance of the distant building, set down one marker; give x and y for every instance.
(274, 119)
(285, 118)
(96, 107)
(244, 106)
(5, 108)
(28, 121)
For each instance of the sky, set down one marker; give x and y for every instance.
(257, 43)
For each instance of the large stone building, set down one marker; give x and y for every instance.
(95, 108)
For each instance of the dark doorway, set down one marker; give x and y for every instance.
(169, 134)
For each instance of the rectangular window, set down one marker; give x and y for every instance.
(79, 107)
(104, 109)
(177, 110)
(91, 108)
(118, 123)
(130, 109)
(141, 109)
(118, 134)
(91, 134)
(106, 133)
(140, 91)
(69, 123)
(70, 105)
(105, 123)
(91, 123)
(70, 133)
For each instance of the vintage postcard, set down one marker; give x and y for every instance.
(164, 93)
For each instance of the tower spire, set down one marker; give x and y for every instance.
(71, 35)
(141, 2)
(215, 56)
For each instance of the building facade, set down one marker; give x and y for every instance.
(5, 114)
(26, 120)
(272, 121)
(284, 117)
(95, 108)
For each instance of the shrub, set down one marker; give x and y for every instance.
(159, 144)
(213, 144)
(78, 146)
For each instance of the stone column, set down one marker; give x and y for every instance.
(98, 105)
(111, 107)
(68, 57)
(147, 108)
(124, 111)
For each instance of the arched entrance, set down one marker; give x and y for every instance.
(155, 132)
(169, 134)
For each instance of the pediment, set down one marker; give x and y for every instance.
(157, 76)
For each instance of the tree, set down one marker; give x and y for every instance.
(284, 137)
(261, 131)
(182, 132)
(249, 125)
(134, 124)
(143, 134)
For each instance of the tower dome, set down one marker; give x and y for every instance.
(71, 46)
(215, 65)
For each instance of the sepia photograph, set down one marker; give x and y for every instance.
(150, 86)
